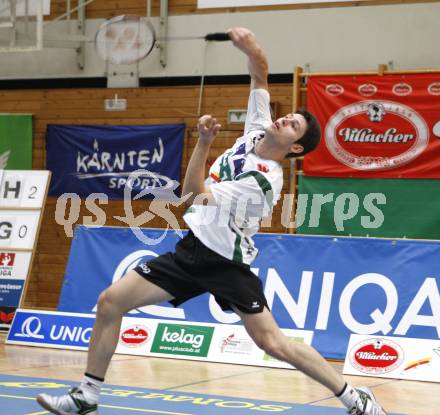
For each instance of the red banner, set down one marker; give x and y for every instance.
(376, 126)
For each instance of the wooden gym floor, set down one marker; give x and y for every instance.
(281, 385)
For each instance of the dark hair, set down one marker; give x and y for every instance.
(311, 136)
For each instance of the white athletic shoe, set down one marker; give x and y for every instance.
(367, 404)
(72, 403)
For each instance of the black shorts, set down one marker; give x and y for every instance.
(194, 269)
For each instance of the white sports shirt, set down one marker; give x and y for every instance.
(245, 188)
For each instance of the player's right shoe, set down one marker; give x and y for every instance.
(72, 403)
(367, 404)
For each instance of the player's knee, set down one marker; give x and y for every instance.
(107, 304)
(103, 303)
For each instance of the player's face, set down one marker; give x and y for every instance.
(287, 130)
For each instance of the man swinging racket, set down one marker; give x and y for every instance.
(244, 184)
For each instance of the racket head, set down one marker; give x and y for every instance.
(125, 39)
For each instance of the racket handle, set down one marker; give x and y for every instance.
(217, 37)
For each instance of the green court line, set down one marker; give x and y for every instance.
(154, 411)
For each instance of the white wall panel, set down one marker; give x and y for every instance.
(333, 39)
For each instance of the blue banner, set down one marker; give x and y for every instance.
(63, 330)
(102, 159)
(332, 286)
(10, 292)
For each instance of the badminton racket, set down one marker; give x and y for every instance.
(128, 39)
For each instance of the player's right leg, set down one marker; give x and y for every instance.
(132, 291)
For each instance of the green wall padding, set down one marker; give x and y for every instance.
(16, 141)
(392, 208)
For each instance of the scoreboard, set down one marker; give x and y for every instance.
(22, 198)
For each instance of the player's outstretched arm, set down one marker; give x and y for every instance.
(246, 41)
(194, 182)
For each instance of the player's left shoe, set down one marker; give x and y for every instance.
(72, 403)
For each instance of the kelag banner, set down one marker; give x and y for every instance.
(376, 126)
(100, 159)
(392, 208)
(16, 141)
(331, 286)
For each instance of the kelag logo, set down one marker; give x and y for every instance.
(182, 339)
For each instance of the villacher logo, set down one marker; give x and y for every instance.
(376, 135)
(334, 89)
(434, 88)
(376, 356)
(367, 90)
(135, 336)
(401, 89)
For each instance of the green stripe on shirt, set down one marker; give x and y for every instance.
(264, 184)
(237, 255)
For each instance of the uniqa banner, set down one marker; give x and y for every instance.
(330, 286)
(16, 141)
(144, 159)
(376, 126)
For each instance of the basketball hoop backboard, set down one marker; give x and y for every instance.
(21, 24)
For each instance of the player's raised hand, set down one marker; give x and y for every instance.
(243, 39)
(208, 129)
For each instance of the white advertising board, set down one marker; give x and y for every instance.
(18, 228)
(220, 343)
(208, 4)
(393, 357)
(14, 265)
(23, 188)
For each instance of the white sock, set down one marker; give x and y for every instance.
(91, 389)
(349, 397)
